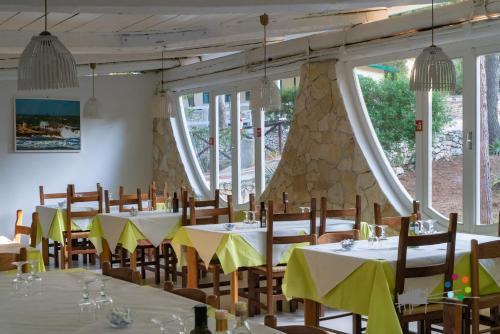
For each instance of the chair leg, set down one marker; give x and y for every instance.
(216, 280)
(356, 324)
(56, 254)
(279, 303)
(269, 295)
(156, 252)
(421, 327)
(143, 263)
(173, 263)
(494, 316)
(68, 261)
(166, 263)
(251, 293)
(184, 277)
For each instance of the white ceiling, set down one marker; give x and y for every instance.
(107, 31)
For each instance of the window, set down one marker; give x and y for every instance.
(447, 148)
(197, 119)
(225, 152)
(277, 126)
(391, 107)
(206, 98)
(247, 147)
(489, 148)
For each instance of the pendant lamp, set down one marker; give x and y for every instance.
(92, 108)
(46, 63)
(433, 69)
(163, 101)
(265, 95)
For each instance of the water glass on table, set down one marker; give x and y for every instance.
(86, 305)
(170, 324)
(372, 238)
(20, 284)
(35, 281)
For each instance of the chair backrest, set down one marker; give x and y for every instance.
(158, 196)
(85, 193)
(445, 268)
(332, 237)
(120, 203)
(44, 196)
(30, 231)
(251, 202)
(139, 194)
(339, 213)
(271, 321)
(123, 273)
(276, 240)
(285, 202)
(202, 216)
(194, 294)
(6, 260)
(487, 250)
(88, 197)
(393, 222)
(185, 200)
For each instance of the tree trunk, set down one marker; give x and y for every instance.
(484, 161)
(222, 111)
(492, 73)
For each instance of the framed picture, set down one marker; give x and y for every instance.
(47, 125)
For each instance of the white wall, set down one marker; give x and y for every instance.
(115, 151)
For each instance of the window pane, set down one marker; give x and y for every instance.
(447, 150)
(225, 172)
(196, 113)
(277, 125)
(391, 107)
(489, 150)
(247, 147)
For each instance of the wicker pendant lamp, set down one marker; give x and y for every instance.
(92, 108)
(433, 69)
(265, 95)
(163, 101)
(46, 63)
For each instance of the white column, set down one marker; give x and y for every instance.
(259, 129)
(235, 147)
(214, 142)
(423, 149)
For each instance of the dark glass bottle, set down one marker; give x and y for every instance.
(175, 203)
(200, 320)
(263, 215)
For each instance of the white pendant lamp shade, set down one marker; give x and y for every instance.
(46, 64)
(163, 105)
(265, 95)
(92, 108)
(433, 70)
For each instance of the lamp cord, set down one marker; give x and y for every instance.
(162, 55)
(432, 24)
(93, 84)
(45, 15)
(265, 52)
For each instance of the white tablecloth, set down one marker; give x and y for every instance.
(55, 311)
(344, 263)
(207, 238)
(155, 225)
(46, 214)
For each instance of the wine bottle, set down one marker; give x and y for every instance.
(263, 215)
(221, 322)
(200, 320)
(413, 229)
(175, 203)
(241, 326)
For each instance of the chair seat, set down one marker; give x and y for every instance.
(262, 270)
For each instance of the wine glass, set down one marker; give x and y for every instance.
(170, 324)
(34, 278)
(372, 239)
(86, 305)
(382, 232)
(19, 283)
(103, 301)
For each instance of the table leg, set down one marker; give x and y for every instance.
(311, 313)
(45, 250)
(192, 268)
(133, 260)
(106, 253)
(452, 318)
(234, 291)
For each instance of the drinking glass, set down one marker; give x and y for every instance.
(430, 226)
(170, 324)
(382, 232)
(34, 278)
(86, 305)
(19, 283)
(373, 239)
(253, 217)
(304, 209)
(246, 220)
(103, 301)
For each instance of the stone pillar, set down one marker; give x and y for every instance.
(321, 156)
(167, 163)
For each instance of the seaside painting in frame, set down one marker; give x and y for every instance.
(47, 125)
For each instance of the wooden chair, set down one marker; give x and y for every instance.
(54, 245)
(425, 314)
(272, 272)
(123, 196)
(476, 303)
(6, 260)
(339, 213)
(194, 294)
(271, 321)
(122, 202)
(85, 193)
(285, 202)
(211, 216)
(124, 274)
(20, 229)
(77, 242)
(158, 196)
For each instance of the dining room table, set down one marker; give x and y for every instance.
(362, 279)
(240, 245)
(55, 309)
(33, 254)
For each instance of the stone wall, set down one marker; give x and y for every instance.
(167, 163)
(321, 156)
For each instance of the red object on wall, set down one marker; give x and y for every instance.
(259, 132)
(211, 141)
(419, 125)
